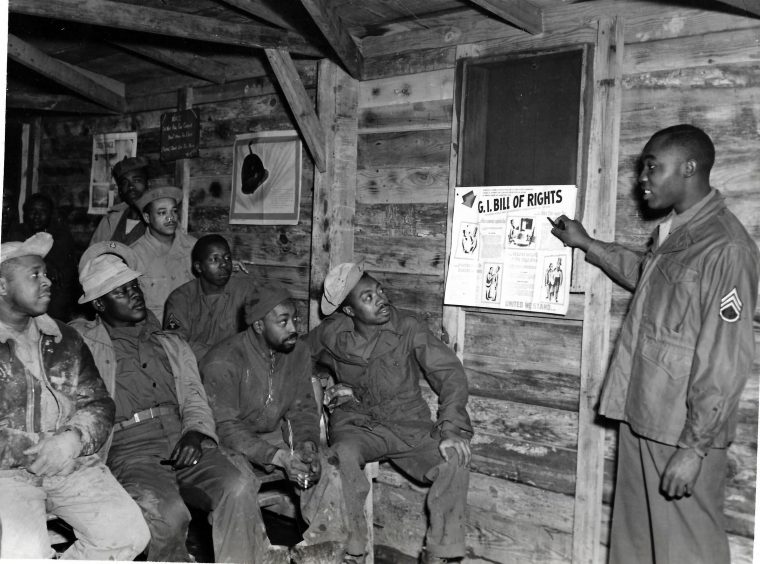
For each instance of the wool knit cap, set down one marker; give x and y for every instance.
(264, 300)
(38, 244)
(103, 274)
(338, 283)
(157, 193)
(128, 164)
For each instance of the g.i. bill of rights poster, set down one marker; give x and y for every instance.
(503, 254)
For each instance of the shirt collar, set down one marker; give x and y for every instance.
(44, 323)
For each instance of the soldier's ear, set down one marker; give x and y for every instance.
(197, 268)
(690, 167)
(98, 304)
(258, 326)
(348, 310)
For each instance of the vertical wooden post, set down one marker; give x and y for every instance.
(332, 230)
(24, 192)
(599, 220)
(34, 157)
(182, 166)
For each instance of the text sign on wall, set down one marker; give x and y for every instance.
(503, 254)
(180, 135)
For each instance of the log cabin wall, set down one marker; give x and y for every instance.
(680, 65)
(275, 254)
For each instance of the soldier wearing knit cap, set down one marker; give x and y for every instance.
(259, 386)
(164, 445)
(377, 354)
(47, 446)
(123, 222)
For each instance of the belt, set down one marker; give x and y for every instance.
(145, 415)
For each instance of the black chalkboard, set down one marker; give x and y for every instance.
(180, 135)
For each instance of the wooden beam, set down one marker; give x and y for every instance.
(599, 219)
(87, 83)
(260, 11)
(749, 6)
(182, 166)
(188, 63)
(53, 103)
(331, 26)
(332, 236)
(121, 15)
(300, 104)
(520, 13)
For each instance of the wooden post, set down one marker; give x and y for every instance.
(34, 163)
(182, 166)
(599, 220)
(332, 236)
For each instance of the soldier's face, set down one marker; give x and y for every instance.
(215, 265)
(368, 303)
(279, 327)
(132, 185)
(24, 285)
(162, 216)
(122, 306)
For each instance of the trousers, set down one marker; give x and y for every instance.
(107, 522)
(648, 528)
(215, 484)
(446, 500)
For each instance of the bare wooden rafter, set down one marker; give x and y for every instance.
(259, 10)
(53, 102)
(171, 23)
(188, 63)
(300, 105)
(96, 88)
(750, 6)
(520, 13)
(331, 26)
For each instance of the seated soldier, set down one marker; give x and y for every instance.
(164, 447)
(123, 222)
(259, 386)
(55, 414)
(377, 354)
(207, 310)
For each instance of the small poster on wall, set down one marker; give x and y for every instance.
(107, 150)
(266, 178)
(503, 254)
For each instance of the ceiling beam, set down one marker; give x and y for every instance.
(300, 105)
(170, 23)
(520, 13)
(749, 6)
(260, 11)
(97, 88)
(331, 26)
(53, 103)
(188, 63)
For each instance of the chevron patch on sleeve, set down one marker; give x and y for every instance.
(173, 323)
(730, 306)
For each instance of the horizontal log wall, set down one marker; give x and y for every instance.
(275, 254)
(682, 65)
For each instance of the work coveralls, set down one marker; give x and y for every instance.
(390, 420)
(205, 320)
(216, 483)
(162, 270)
(59, 391)
(263, 401)
(684, 354)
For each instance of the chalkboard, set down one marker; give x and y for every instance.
(180, 134)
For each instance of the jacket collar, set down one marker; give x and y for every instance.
(45, 325)
(344, 335)
(685, 235)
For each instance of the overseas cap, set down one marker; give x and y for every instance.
(157, 193)
(338, 283)
(128, 164)
(38, 244)
(109, 248)
(264, 300)
(102, 274)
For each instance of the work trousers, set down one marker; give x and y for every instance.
(649, 528)
(446, 500)
(215, 484)
(107, 522)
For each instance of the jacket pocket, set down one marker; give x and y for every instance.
(672, 290)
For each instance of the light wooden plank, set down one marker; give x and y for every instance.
(182, 166)
(300, 105)
(172, 23)
(332, 240)
(432, 114)
(53, 103)
(521, 13)
(421, 87)
(329, 22)
(749, 6)
(426, 184)
(186, 62)
(410, 62)
(65, 74)
(599, 218)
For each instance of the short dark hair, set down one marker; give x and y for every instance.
(695, 142)
(38, 197)
(204, 243)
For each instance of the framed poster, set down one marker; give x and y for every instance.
(266, 178)
(107, 150)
